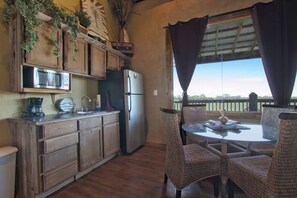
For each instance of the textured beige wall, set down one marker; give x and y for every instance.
(11, 103)
(148, 35)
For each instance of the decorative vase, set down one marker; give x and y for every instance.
(223, 119)
(123, 36)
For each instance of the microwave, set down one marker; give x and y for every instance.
(34, 77)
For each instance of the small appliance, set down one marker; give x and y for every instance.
(34, 77)
(34, 108)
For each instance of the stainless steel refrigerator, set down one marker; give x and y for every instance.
(125, 92)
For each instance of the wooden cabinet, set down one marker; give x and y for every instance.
(53, 153)
(89, 147)
(90, 61)
(111, 134)
(90, 142)
(113, 61)
(47, 157)
(58, 152)
(76, 62)
(42, 54)
(97, 61)
(111, 139)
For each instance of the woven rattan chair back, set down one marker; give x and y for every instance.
(282, 174)
(194, 113)
(270, 114)
(174, 148)
(185, 164)
(262, 176)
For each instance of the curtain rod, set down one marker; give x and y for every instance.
(227, 13)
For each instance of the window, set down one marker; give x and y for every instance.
(233, 78)
(229, 64)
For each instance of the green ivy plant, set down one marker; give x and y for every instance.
(29, 9)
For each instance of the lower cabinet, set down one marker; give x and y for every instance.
(90, 141)
(111, 139)
(58, 153)
(53, 178)
(90, 150)
(54, 153)
(111, 134)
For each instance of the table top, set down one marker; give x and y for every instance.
(246, 132)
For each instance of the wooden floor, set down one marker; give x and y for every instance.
(139, 175)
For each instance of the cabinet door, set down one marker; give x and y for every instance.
(111, 139)
(90, 147)
(42, 54)
(76, 62)
(113, 61)
(98, 61)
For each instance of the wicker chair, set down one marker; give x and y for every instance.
(262, 176)
(194, 113)
(185, 164)
(269, 117)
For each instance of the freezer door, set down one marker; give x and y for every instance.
(133, 82)
(135, 131)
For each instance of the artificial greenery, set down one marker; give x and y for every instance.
(83, 18)
(28, 9)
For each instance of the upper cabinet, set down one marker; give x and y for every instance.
(113, 61)
(97, 61)
(76, 60)
(87, 57)
(42, 54)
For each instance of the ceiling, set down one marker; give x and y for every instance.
(231, 40)
(229, 36)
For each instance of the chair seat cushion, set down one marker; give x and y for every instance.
(250, 174)
(195, 153)
(199, 163)
(263, 148)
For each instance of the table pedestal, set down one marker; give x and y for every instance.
(226, 150)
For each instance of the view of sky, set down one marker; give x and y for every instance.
(234, 78)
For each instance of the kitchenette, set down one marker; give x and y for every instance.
(66, 120)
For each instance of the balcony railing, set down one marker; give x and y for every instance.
(250, 104)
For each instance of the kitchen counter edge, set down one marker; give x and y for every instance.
(52, 118)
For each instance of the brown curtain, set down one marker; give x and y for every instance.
(276, 32)
(186, 39)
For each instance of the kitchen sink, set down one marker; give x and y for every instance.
(84, 112)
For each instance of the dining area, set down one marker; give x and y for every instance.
(259, 158)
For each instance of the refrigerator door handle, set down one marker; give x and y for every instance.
(130, 106)
(129, 84)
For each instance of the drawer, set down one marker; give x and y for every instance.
(58, 158)
(88, 123)
(111, 118)
(59, 175)
(57, 143)
(58, 129)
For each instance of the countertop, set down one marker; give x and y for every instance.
(52, 118)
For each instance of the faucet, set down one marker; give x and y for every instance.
(82, 103)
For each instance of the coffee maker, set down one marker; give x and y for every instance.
(34, 108)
